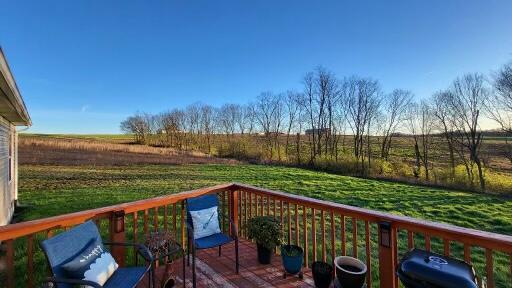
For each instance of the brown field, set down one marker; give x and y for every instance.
(85, 151)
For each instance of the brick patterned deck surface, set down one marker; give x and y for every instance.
(214, 271)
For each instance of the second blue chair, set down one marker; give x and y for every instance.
(214, 240)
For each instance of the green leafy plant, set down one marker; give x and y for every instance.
(291, 250)
(265, 230)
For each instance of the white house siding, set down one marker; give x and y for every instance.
(6, 186)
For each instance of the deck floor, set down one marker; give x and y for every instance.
(215, 271)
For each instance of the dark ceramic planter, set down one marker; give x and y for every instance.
(322, 274)
(350, 272)
(264, 254)
(292, 264)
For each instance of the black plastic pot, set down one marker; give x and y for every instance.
(322, 274)
(264, 254)
(350, 272)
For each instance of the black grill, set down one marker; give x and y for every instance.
(422, 269)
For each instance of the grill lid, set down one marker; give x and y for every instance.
(419, 268)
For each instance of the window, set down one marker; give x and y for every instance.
(10, 144)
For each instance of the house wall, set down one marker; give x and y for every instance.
(8, 193)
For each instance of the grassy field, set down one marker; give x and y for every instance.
(53, 190)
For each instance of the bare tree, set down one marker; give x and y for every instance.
(265, 110)
(228, 114)
(250, 117)
(208, 124)
(140, 125)
(443, 115)
(467, 103)
(499, 106)
(420, 123)
(362, 97)
(292, 108)
(277, 121)
(395, 105)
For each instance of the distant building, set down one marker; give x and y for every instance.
(12, 113)
(323, 131)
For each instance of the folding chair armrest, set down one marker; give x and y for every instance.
(141, 249)
(234, 228)
(56, 280)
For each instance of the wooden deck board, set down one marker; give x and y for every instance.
(214, 271)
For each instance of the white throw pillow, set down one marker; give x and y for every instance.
(206, 222)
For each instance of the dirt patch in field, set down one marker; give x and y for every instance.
(34, 150)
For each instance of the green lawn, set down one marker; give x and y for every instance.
(54, 190)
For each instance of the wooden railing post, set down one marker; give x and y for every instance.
(387, 249)
(233, 210)
(117, 234)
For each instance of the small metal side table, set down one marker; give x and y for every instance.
(163, 246)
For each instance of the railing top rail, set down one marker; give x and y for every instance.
(17, 230)
(451, 232)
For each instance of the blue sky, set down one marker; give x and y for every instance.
(83, 66)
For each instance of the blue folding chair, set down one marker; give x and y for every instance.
(215, 240)
(66, 245)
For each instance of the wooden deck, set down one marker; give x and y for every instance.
(215, 271)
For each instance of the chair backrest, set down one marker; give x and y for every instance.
(64, 246)
(200, 203)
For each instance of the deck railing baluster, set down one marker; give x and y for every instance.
(510, 263)
(166, 225)
(288, 215)
(489, 265)
(343, 236)
(223, 208)
(324, 249)
(313, 231)
(427, 242)
(268, 205)
(256, 198)
(368, 254)
(297, 225)
(174, 220)
(135, 233)
(333, 237)
(244, 229)
(9, 259)
(410, 240)
(281, 216)
(467, 253)
(146, 212)
(155, 219)
(354, 237)
(446, 243)
(305, 235)
(262, 206)
(30, 261)
(250, 205)
(184, 243)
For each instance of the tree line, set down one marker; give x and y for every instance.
(338, 120)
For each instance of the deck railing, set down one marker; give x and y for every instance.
(325, 229)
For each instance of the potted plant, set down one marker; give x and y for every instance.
(266, 231)
(292, 259)
(322, 274)
(350, 272)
